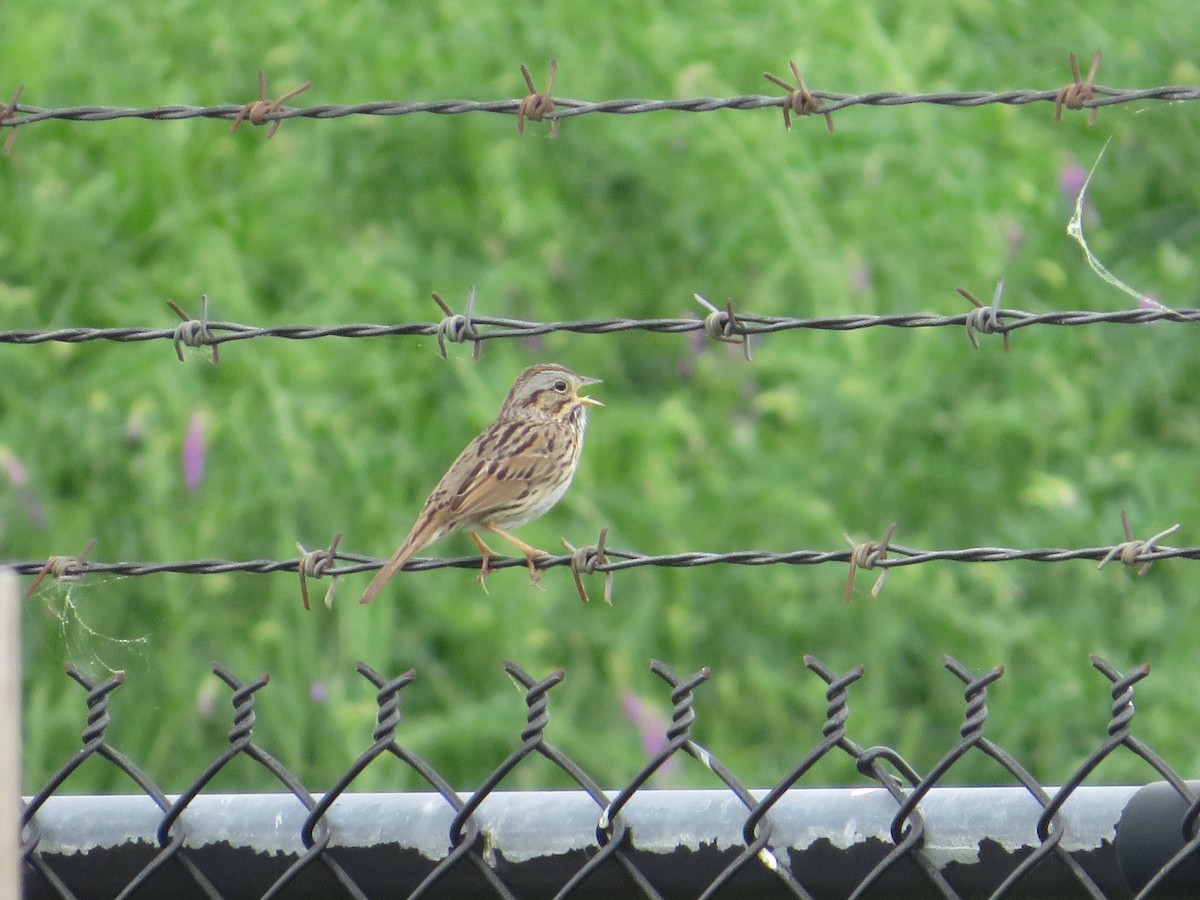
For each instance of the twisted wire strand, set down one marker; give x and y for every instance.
(24, 114)
(622, 559)
(225, 332)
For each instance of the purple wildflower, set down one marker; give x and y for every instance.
(18, 477)
(1071, 179)
(195, 451)
(206, 701)
(652, 725)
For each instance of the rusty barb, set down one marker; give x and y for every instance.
(867, 555)
(193, 332)
(799, 99)
(262, 110)
(1078, 92)
(722, 325)
(457, 328)
(985, 319)
(9, 110)
(535, 106)
(584, 561)
(1133, 552)
(313, 564)
(60, 567)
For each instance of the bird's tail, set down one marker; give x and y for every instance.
(425, 532)
(390, 568)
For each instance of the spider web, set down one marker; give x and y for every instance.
(83, 643)
(1075, 230)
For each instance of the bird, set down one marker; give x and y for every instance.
(514, 471)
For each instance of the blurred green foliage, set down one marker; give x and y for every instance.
(358, 219)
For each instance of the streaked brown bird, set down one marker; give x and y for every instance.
(511, 473)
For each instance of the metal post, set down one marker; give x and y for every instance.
(1152, 834)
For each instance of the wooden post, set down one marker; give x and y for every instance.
(10, 734)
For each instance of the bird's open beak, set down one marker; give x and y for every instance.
(587, 401)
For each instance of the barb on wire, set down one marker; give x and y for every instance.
(722, 325)
(746, 325)
(263, 110)
(458, 328)
(799, 99)
(535, 106)
(1077, 93)
(63, 568)
(619, 560)
(985, 319)
(1133, 552)
(584, 561)
(315, 564)
(867, 555)
(10, 110)
(192, 332)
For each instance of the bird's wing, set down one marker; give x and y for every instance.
(488, 486)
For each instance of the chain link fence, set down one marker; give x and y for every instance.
(899, 833)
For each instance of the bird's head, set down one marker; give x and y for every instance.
(549, 390)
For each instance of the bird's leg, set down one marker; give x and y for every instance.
(486, 552)
(531, 553)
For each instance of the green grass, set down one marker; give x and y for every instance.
(357, 220)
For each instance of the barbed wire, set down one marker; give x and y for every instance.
(567, 108)
(459, 328)
(883, 555)
(537, 106)
(621, 560)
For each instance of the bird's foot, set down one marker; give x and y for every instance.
(484, 570)
(535, 574)
(531, 558)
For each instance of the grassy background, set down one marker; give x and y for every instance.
(359, 219)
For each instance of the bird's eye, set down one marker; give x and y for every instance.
(560, 386)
